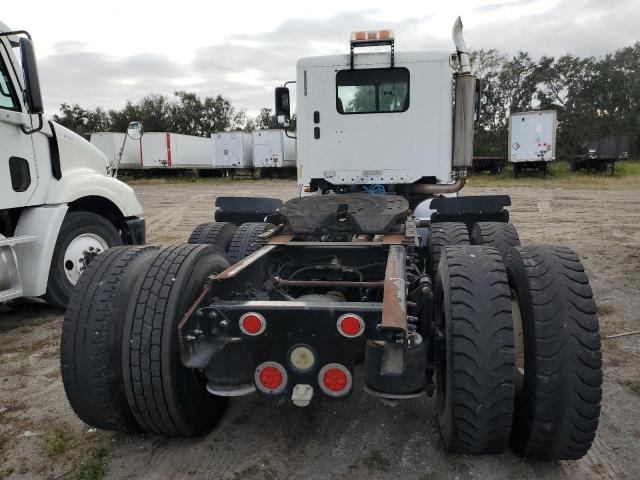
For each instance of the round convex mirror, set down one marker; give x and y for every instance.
(135, 130)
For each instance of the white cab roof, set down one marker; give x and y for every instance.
(377, 58)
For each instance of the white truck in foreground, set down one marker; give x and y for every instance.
(58, 206)
(431, 294)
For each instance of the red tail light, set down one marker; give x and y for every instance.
(335, 380)
(350, 325)
(270, 377)
(252, 323)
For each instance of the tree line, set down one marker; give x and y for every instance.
(185, 113)
(591, 95)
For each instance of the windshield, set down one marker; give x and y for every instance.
(7, 100)
(376, 90)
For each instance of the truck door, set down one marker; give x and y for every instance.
(18, 174)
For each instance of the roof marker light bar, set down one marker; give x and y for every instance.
(370, 38)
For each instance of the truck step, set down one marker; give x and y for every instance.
(11, 241)
(6, 295)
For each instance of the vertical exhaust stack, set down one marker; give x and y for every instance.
(464, 105)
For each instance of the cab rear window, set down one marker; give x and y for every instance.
(373, 90)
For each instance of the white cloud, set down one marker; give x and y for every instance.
(123, 50)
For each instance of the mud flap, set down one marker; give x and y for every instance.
(240, 210)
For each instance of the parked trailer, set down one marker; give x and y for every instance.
(157, 150)
(176, 151)
(110, 144)
(434, 292)
(232, 150)
(532, 140)
(602, 152)
(273, 149)
(491, 164)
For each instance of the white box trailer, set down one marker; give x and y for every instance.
(532, 136)
(156, 150)
(232, 150)
(273, 149)
(110, 144)
(173, 150)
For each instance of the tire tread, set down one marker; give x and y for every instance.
(482, 349)
(560, 419)
(86, 353)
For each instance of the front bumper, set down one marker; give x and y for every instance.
(133, 231)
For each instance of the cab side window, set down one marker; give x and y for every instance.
(7, 97)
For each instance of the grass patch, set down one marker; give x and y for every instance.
(10, 406)
(5, 473)
(23, 368)
(604, 309)
(559, 175)
(264, 467)
(93, 467)
(4, 442)
(633, 385)
(58, 443)
(375, 461)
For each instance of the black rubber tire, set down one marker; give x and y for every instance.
(441, 235)
(59, 288)
(165, 397)
(475, 377)
(91, 341)
(214, 233)
(244, 243)
(499, 235)
(557, 411)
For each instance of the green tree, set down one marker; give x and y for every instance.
(83, 121)
(154, 111)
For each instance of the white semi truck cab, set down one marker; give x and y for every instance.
(401, 122)
(505, 336)
(58, 206)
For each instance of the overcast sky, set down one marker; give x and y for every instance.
(105, 52)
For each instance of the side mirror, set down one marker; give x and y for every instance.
(283, 107)
(32, 93)
(135, 130)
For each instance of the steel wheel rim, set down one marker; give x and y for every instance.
(518, 337)
(79, 253)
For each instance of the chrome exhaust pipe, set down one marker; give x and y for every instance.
(461, 47)
(464, 112)
(434, 188)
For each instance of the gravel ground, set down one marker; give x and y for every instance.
(362, 437)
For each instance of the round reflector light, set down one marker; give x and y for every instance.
(335, 380)
(350, 325)
(302, 358)
(252, 323)
(270, 377)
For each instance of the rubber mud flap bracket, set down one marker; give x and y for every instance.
(392, 359)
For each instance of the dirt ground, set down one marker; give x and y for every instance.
(362, 437)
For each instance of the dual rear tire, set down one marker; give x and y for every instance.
(120, 356)
(238, 242)
(519, 358)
